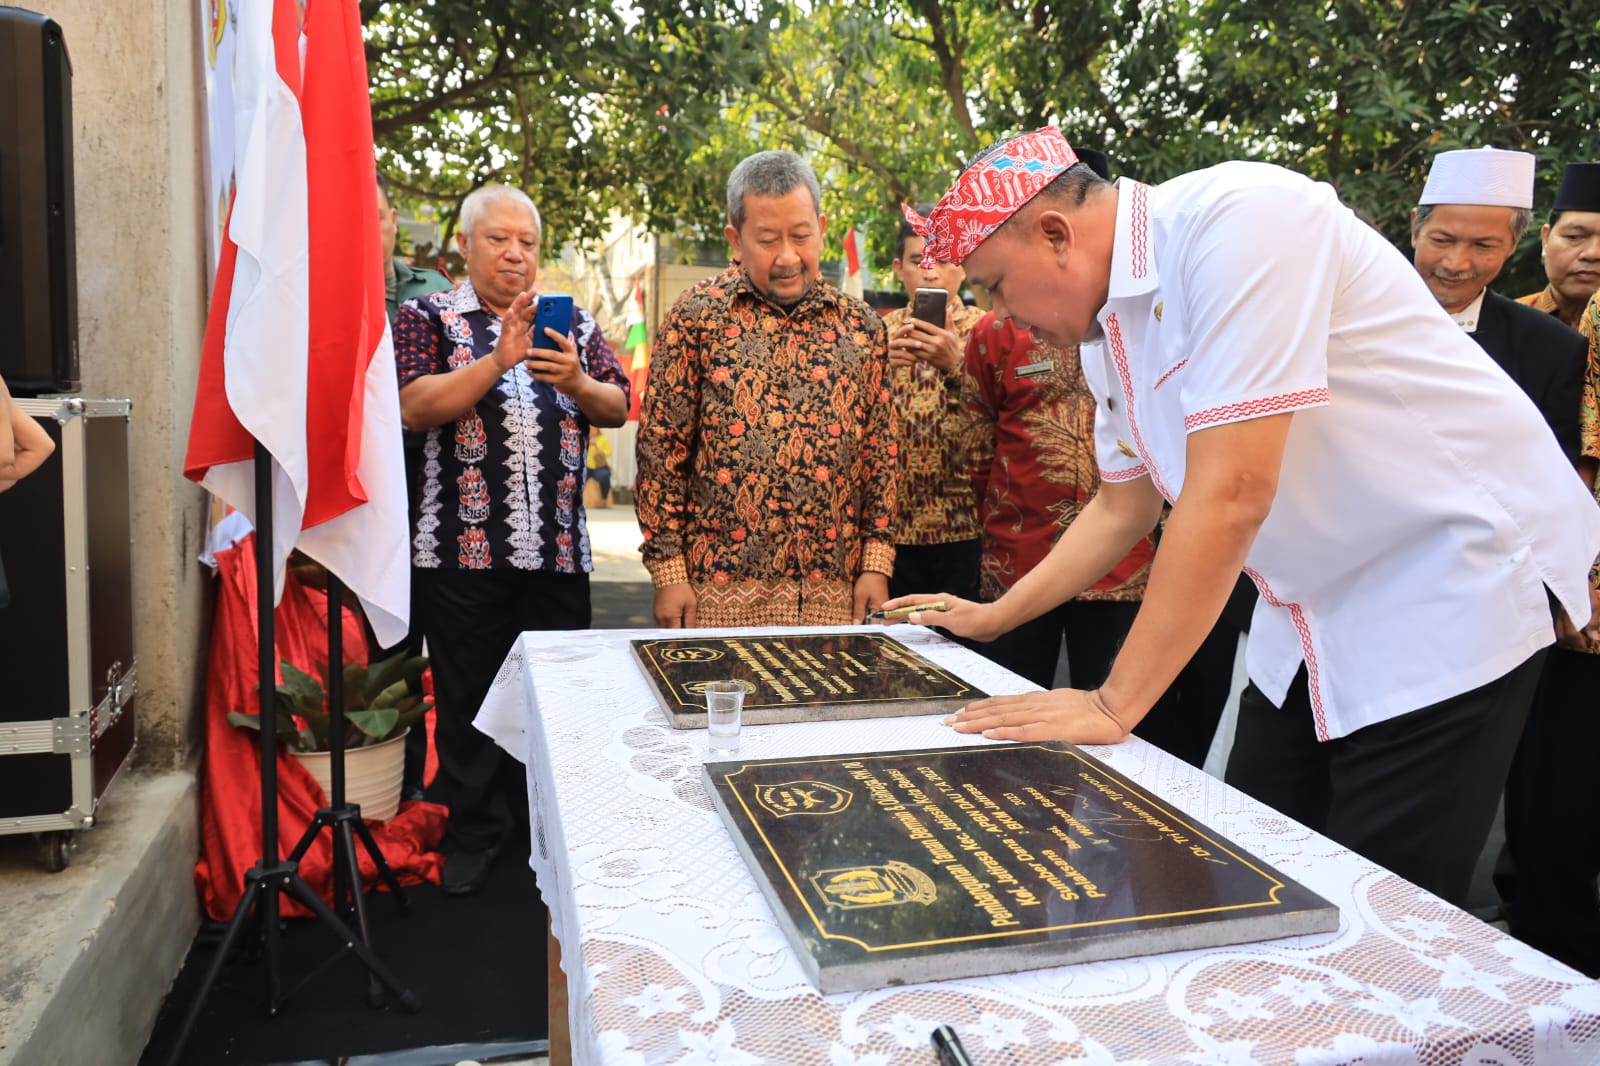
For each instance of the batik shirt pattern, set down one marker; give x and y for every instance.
(937, 505)
(1589, 417)
(1544, 300)
(767, 453)
(502, 486)
(1032, 455)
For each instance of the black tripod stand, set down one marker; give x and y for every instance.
(345, 818)
(271, 875)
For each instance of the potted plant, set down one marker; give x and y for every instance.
(379, 707)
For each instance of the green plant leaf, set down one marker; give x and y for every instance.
(396, 668)
(303, 691)
(377, 723)
(286, 727)
(391, 696)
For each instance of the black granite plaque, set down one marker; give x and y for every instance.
(801, 676)
(899, 867)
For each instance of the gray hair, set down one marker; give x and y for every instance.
(1521, 219)
(479, 200)
(774, 173)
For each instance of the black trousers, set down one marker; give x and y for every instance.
(471, 620)
(1182, 722)
(1093, 630)
(1415, 794)
(951, 568)
(1552, 799)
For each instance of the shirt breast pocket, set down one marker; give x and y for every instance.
(1172, 370)
(1169, 339)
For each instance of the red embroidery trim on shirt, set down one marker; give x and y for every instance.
(1141, 229)
(1313, 675)
(1119, 354)
(1123, 475)
(1267, 405)
(1179, 365)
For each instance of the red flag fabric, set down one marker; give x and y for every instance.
(854, 282)
(230, 822)
(356, 521)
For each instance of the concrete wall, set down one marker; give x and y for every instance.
(137, 144)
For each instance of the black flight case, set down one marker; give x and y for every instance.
(67, 668)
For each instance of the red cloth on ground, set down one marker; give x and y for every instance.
(230, 782)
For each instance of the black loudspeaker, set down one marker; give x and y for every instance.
(38, 259)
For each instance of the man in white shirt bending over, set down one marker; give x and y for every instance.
(1274, 369)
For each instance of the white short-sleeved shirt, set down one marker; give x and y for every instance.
(1423, 505)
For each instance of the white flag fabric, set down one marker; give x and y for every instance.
(256, 390)
(298, 355)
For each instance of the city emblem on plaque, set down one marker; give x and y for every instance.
(696, 653)
(802, 797)
(875, 886)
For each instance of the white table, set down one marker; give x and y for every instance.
(672, 955)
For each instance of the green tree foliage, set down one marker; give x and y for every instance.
(589, 107)
(890, 97)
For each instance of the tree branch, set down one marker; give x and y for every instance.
(853, 149)
(388, 121)
(948, 49)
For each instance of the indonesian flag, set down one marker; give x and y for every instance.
(853, 281)
(297, 350)
(637, 342)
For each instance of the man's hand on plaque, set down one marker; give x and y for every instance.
(1068, 714)
(964, 618)
(675, 606)
(872, 588)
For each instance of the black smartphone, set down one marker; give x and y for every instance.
(928, 305)
(554, 312)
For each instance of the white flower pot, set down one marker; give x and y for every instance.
(372, 776)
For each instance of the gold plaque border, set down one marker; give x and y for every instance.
(1150, 804)
(685, 702)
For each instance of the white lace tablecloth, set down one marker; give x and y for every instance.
(672, 954)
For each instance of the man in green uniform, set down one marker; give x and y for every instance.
(402, 280)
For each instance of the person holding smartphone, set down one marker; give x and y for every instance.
(938, 538)
(499, 540)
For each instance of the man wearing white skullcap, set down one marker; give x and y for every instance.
(1264, 362)
(1473, 211)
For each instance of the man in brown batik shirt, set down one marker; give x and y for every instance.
(766, 481)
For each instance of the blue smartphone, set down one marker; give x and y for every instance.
(554, 312)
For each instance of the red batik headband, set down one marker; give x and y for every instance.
(990, 191)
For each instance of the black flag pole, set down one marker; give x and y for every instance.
(272, 875)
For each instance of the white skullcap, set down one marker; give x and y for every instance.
(1488, 177)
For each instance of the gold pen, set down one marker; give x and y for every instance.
(901, 612)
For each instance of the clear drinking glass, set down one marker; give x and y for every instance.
(724, 710)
